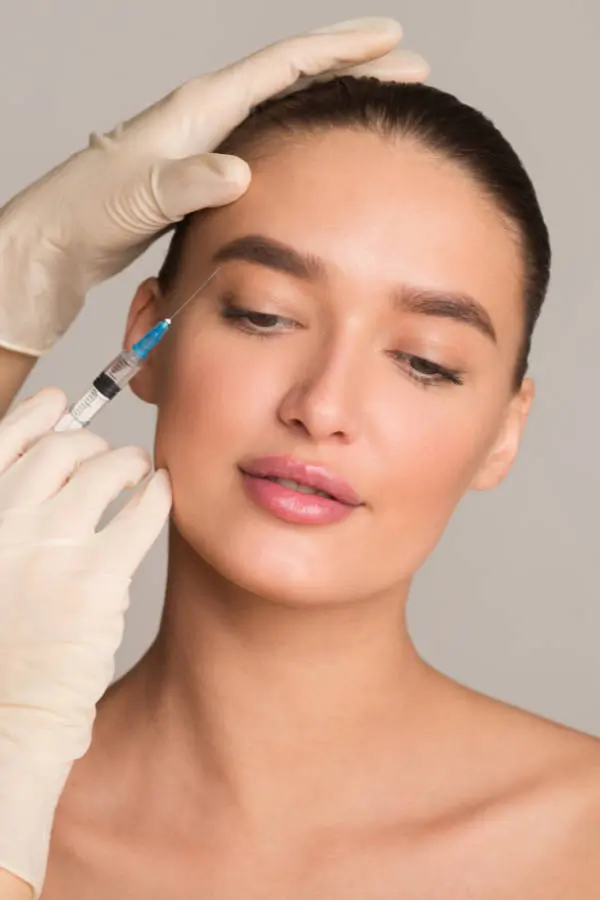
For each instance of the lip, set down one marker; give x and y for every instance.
(309, 474)
(291, 505)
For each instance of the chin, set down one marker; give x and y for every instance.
(275, 568)
(290, 587)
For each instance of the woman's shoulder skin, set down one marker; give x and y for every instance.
(543, 805)
(527, 826)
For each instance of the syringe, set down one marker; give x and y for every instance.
(113, 378)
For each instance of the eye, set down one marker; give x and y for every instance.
(427, 373)
(255, 322)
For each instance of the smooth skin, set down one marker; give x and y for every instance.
(282, 737)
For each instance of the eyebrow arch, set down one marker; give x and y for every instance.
(447, 305)
(264, 251)
(273, 254)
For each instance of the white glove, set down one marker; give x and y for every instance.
(63, 594)
(94, 214)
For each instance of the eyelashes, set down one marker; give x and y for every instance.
(265, 325)
(435, 375)
(261, 324)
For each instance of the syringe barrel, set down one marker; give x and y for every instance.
(118, 373)
(111, 380)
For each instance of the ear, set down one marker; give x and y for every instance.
(502, 455)
(147, 308)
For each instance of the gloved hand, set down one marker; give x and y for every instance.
(91, 216)
(63, 594)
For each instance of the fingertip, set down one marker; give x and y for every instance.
(158, 484)
(417, 66)
(400, 66)
(51, 400)
(50, 394)
(199, 182)
(231, 169)
(379, 25)
(162, 478)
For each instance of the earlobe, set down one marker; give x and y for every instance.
(503, 454)
(144, 312)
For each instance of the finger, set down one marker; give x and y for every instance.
(132, 531)
(201, 112)
(186, 185)
(401, 66)
(46, 466)
(27, 422)
(97, 482)
(397, 65)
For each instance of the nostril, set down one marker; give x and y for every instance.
(299, 425)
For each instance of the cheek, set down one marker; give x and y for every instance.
(430, 443)
(428, 456)
(215, 402)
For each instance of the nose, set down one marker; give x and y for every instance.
(323, 401)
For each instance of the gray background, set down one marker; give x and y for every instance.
(508, 602)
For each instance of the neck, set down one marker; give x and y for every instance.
(276, 703)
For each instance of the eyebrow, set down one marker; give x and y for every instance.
(272, 254)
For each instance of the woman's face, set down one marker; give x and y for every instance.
(327, 373)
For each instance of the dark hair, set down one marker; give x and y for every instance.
(440, 123)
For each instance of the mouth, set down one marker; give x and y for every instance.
(297, 486)
(306, 478)
(297, 491)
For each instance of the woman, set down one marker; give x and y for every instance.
(366, 337)
(63, 583)
(282, 737)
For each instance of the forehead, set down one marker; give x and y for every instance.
(380, 212)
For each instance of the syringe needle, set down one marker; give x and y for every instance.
(191, 297)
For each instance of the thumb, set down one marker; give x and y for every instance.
(185, 185)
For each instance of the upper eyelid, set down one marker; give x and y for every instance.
(430, 362)
(243, 316)
(241, 311)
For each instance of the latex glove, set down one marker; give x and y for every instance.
(63, 594)
(90, 217)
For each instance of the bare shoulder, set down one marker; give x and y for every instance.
(538, 751)
(570, 798)
(552, 797)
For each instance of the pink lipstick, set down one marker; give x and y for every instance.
(299, 492)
